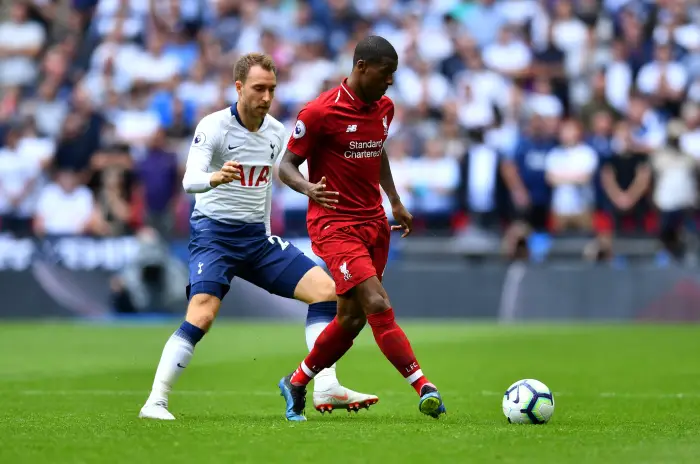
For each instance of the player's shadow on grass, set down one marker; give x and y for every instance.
(315, 418)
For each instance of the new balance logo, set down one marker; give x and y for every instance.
(352, 128)
(344, 269)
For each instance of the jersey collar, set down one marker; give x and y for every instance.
(234, 112)
(355, 101)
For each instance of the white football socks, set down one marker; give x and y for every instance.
(326, 379)
(175, 358)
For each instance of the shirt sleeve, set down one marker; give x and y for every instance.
(307, 132)
(197, 178)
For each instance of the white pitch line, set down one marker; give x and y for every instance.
(273, 392)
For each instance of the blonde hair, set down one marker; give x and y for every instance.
(248, 61)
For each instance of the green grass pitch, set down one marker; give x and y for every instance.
(624, 394)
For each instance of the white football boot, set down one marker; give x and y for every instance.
(156, 410)
(339, 397)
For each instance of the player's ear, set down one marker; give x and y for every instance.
(239, 87)
(361, 65)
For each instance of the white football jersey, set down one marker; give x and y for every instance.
(221, 137)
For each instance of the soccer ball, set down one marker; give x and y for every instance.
(528, 401)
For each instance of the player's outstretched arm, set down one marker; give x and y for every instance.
(401, 214)
(289, 174)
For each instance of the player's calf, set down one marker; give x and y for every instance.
(390, 338)
(317, 289)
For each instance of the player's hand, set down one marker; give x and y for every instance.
(319, 194)
(229, 172)
(404, 218)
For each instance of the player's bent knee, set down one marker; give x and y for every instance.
(375, 303)
(352, 322)
(202, 310)
(315, 287)
(325, 290)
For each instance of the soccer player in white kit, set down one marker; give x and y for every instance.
(229, 168)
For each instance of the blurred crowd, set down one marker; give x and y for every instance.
(512, 116)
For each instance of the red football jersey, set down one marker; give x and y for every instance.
(342, 138)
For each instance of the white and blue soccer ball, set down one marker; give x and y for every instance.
(528, 401)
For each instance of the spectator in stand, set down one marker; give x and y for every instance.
(65, 207)
(402, 170)
(483, 20)
(36, 147)
(478, 181)
(160, 180)
(47, 108)
(81, 135)
(435, 178)
(675, 192)
(464, 47)
(571, 36)
(530, 193)
(19, 174)
(648, 129)
(569, 169)
(626, 178)
(542, 101)
(548, 63)
(638, 48)
(422, 86)
(618, 78)
(664, 81)
(114, 211)
(525, 176)
(597, 103)
(198, 90)
(21, 41)
(690, 139)
(601, 133)
(509, 55)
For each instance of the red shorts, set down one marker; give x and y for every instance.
(354, 253)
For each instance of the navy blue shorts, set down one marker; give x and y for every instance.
(219, 252)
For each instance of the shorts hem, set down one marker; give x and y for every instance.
(354, 284)
(286, 289)
(207, 287)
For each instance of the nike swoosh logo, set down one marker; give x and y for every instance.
(232, 148)
(181, 366)
(339, 397)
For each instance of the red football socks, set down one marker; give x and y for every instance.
(396, 347)
(330, 346)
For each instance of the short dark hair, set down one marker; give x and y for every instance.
(374, 49)
(247, 61)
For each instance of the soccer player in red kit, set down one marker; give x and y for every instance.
(341, 135)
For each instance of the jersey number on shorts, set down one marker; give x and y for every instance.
(255, 177)
(282, 243)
